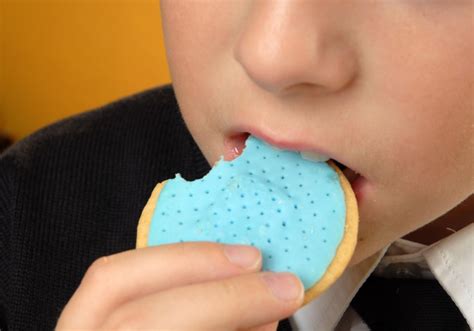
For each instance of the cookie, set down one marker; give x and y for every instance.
(300, 213)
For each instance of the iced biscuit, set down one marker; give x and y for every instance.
(300, 213)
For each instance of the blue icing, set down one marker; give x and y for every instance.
(291, 208)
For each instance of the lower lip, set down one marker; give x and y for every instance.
(359, 186)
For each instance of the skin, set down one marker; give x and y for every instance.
(386, 86)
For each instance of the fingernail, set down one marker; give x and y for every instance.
(284, 286)
(243, 256)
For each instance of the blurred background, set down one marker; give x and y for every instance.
(63, 57)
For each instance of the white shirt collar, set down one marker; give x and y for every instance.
(325, 312)
(450, 261)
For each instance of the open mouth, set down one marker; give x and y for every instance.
(236, 144)
(350, 174)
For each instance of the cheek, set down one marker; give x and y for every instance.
(419, 87)
(197, 37)
(434, 155)
(428, 132)
(423, 75)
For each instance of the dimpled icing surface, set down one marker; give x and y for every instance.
(291, 208)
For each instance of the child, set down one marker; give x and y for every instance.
(384, 88)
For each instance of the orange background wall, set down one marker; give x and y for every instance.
(61, 57)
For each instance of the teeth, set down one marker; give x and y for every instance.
(312, 156)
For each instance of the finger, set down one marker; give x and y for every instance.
(112, 280)
(239, 302)
(267, 327)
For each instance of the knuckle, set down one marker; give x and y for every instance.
(210, 249)
(98, 272)
(228, 288)
(203, 245)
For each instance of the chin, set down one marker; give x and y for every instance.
(363, 251)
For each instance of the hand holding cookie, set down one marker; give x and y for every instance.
(298, 209)
(183, 286)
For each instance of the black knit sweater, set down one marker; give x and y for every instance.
(74, 191)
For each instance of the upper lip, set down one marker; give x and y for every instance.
(295, 144)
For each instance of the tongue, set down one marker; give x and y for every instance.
(234, 146)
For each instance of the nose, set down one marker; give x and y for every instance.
(288, 44)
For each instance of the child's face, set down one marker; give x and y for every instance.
(384, 87)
